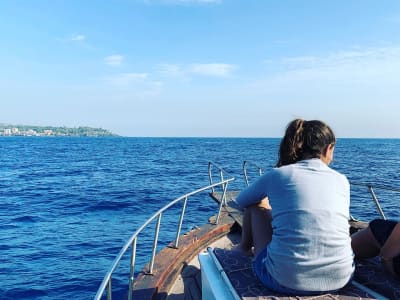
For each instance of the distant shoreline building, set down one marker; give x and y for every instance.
(24, 130)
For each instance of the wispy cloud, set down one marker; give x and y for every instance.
(77, 37)
(195, 1)
(343, 58)
(126, 79)
(189, 70)
(73, 38)
(358, 70)
(114, 60)
(172, 70)
(182, 2)
(218, 70)
(134, 84)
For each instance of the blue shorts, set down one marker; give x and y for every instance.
(263, 275)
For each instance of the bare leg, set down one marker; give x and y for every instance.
(256, 229)
(364, 244)
(246, 243)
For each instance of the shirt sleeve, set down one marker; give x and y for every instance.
(255, 192)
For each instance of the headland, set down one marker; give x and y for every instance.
(29, 130)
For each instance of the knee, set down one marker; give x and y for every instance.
(264, 203)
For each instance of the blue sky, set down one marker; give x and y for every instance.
(201, 68)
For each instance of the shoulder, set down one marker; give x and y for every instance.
(278, 172)
(339, 176)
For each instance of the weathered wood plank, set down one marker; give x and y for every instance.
(170, 261)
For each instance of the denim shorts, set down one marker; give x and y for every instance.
(381, 229)
(265, 277)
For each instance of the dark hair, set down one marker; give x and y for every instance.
(304, 139)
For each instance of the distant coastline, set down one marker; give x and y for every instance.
(29, 130)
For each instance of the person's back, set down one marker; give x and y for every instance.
(310, 247)
(296, 216)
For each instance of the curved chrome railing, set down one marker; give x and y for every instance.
(132, 242)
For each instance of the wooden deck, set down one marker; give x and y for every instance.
(176, 273)
(188, 284)
(171, 263)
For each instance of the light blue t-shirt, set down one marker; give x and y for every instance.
(310, 248)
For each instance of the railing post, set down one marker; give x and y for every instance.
(378, 206)
(178, 233)
(225, 186)
(223, 198)
(155, 243)
(132, 268)
(210, 175)
(109, 289)
(245, 173)
(246, 177)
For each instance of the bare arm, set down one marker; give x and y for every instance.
(254, 193)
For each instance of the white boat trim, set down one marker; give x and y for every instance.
(215, 284)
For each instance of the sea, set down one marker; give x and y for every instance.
(68, 205)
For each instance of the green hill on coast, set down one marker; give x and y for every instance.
(28, 130)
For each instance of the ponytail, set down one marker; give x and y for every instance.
(304, 139)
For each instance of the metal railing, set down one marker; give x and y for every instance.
(221, 173)
(132, 242)
(224, 186)
(371, 188)
(245, 164)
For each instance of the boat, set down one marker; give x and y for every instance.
(198, 264)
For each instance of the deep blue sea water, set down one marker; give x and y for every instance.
(67, 205)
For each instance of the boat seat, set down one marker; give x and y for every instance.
(369, 283)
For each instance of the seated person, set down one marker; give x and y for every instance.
(381, 237)
(296, 216)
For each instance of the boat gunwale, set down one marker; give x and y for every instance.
(170, 261)
(106, 282)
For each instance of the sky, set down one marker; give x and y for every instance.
(202, 68)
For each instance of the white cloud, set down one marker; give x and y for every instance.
(114, 60)
(72, 38)
(372, 66)
(357, 90)
(184, 2)
(218, 70)
(77, 37)
(172, 70)
(196, 1)
(126, 79)
(353, 57)
(186, 71)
